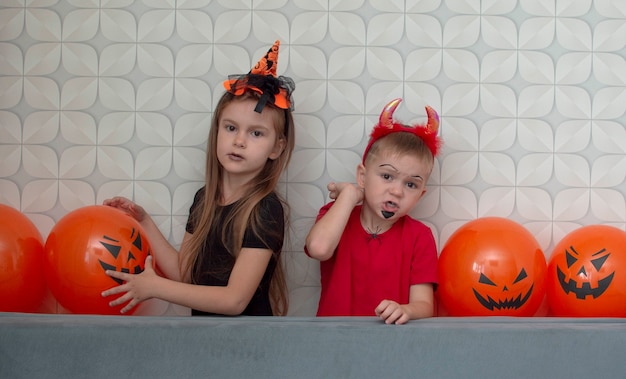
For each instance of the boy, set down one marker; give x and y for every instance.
(374, 259)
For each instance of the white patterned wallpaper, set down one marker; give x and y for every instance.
(107, 97)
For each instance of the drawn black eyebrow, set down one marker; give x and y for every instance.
(396, 170)
(390, 165)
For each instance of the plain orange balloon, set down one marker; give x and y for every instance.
(491, 266)
(22, 283)
(587, 273)
(85, 243)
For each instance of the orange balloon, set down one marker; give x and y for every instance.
(85, 243)
(22, 282)
(587, 273)
(491, 266)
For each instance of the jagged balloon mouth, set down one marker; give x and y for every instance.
(510, 303)
(585, 289)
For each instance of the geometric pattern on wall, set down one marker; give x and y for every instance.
(100, 98)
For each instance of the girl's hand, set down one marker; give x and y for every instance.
(392, 313)
(122, 203)
(136, 288)
(336, 189)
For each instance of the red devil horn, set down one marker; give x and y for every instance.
(386, 116)
(433, 120)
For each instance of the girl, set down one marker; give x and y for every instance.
(229, 261)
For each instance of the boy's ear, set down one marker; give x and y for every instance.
(360, 175)
(423, 193)
(279, 146)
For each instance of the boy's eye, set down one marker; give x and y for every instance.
(411, 185)
(386, 176)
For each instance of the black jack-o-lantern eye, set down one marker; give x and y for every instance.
(496, 299)
(597, 262)
(123, 263)
(485, 280)
(582, 287)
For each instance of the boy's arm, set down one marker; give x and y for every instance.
(421, 301)
(324, 236)
(421, 305)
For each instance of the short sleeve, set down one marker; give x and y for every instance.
(320, 214)
(272, 226)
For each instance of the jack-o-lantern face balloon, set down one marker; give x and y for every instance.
(587, 273)
(491, 267)
(85, 243)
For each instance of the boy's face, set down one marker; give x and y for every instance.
(393, 183)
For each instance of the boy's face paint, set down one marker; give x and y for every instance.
(387, 214)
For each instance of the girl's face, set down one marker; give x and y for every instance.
(392, 184)
(246, 139)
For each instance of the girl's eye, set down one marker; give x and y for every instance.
(257, 133)
(230, 128)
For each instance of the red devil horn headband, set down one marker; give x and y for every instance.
(386, 125)
(262, 79)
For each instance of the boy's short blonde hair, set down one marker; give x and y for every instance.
(401, 143)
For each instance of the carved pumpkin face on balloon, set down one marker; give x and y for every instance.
(582, 284)
(123, 253)
(491, 267)
(511, 294)
(587, 273)
(82, 246)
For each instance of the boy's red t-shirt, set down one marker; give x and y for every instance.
(368, 268)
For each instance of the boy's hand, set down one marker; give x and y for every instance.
(392, 313)
(345, 189)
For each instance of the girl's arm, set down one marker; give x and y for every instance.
(165, 255)
(229, 300)
(421, 305)
(324, 236)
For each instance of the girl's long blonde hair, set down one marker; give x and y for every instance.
(246, 212)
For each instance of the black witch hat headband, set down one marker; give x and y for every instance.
(262, 79)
